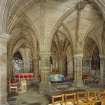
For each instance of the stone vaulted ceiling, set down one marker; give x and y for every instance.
(42, 18)
(32, 8)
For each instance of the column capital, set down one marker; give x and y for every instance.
(45, 53)
(4, 36)
(78, 55)
(35, 58)
(102, 56)
(87, 58)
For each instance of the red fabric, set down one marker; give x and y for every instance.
(24, 75)
(13, 81)
(85, 76)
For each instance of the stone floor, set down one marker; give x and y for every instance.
(35, 97)
(32, 97)
(12, 100)
(29, 98)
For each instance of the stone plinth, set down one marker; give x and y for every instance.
(3, 69)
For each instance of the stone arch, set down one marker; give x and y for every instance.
(59, 22)
(9, 7)
(95, 31)
(19, 44)
(71, 10)
(91, 60)
(88, 43)
(8, 3)
(4, 14)
(24, 20)
(19, 54)
(21, 26)
(62, 50)
(22, 34)
(93, 38)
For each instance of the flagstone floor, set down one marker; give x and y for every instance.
(35, 97)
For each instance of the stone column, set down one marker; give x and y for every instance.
(54, 62)
(61, 65)
(27, 59)
(102, 68)
(44, 67)
(78, 82)
(87, 65)
(3, 69)
(35, 67)
(70, 68)
(25, 53)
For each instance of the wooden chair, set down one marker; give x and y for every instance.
(101, 97)
(58, 100)
(85, 78)
(70, 99)
(92, 97)
(82, 98)
(13, 87)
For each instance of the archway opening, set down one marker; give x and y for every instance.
(91, 63)
(18, 64)
(62, 56)
(23, 60)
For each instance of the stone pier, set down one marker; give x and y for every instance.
(3, 69)
(78, 82)
(44, 69)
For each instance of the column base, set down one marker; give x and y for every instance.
(101, 84)
(4, 103)
(44, 86)
(78, 84)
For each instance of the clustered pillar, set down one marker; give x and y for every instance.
(102, 68)
(27, 59)
(44, 67)
(35, 68)
(3, 69)
(78, 82)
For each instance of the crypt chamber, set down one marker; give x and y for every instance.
(50, 48)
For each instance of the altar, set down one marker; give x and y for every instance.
(56, 78)
(24, 75)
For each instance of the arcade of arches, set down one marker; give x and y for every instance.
(45, 37)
